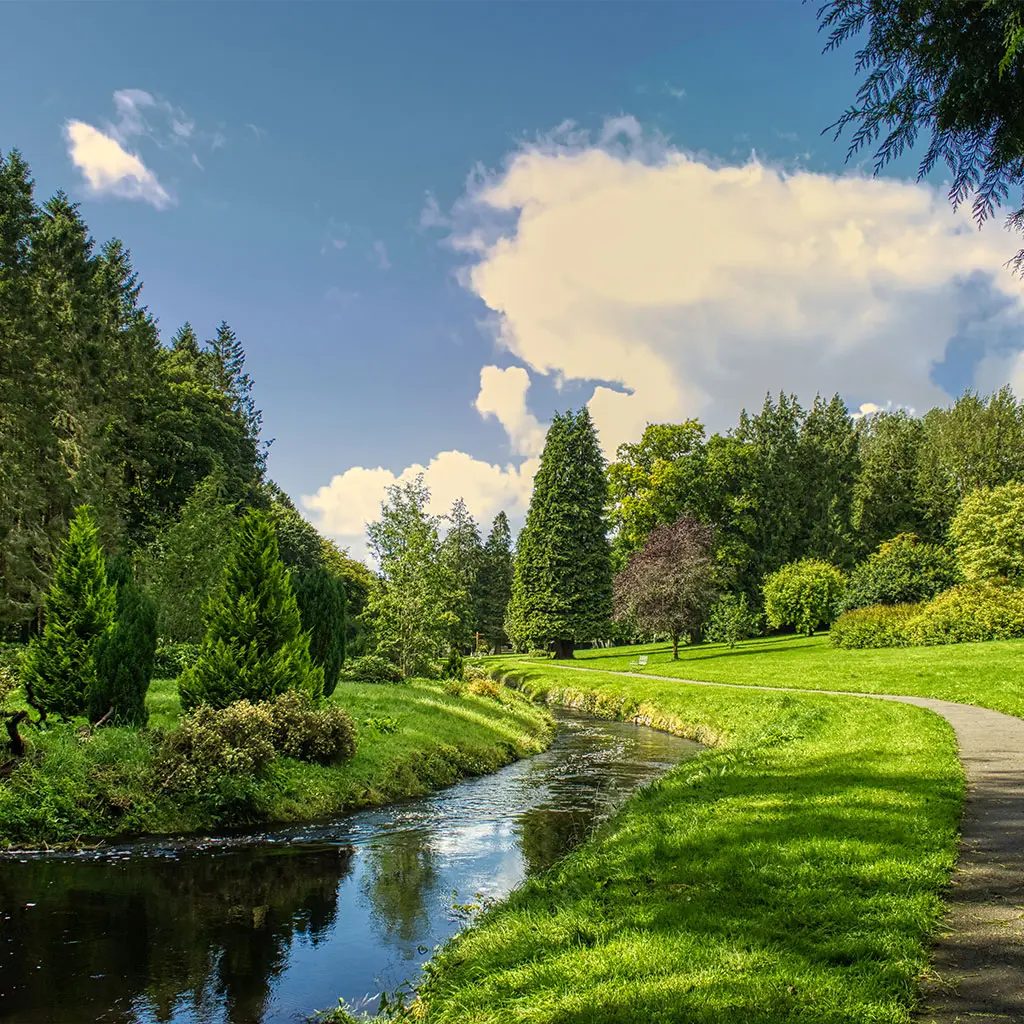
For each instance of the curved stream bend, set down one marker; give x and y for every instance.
(267, 927)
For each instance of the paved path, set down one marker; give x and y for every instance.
(979, 955)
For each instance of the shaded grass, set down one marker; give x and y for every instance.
(411, 739)
(988, 674)
(791, 874)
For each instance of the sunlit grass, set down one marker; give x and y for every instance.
(793, 873)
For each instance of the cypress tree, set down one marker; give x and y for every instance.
(254, 646)
(125, 654)
(494, 583)
(59, 666)
(562, 585)
(322, 604)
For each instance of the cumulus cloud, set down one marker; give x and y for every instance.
(110, 169)
(680, 285)
(503, 396)
(353, 498)
(691, 288)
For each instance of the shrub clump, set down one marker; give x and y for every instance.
(173, 657)
(970, 613)
(453, 665)
(902, 571)
(484, 688)
(372, 668)
(323, 734)
(804, 594)
(988, 531)
(880, 625)
(733, 620)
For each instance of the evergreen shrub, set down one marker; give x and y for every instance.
(254, 646)
(321, 598)
(902, 571)
(453, 666)
(372, 668)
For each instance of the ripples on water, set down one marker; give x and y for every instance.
(269, 926)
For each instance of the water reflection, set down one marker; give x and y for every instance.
(267, 927)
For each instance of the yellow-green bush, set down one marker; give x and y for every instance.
(879, 625)
(969, 613)
(324, 734)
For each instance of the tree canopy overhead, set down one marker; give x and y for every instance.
(954, 67)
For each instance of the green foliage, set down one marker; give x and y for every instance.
(59, 667)
(880, 625)
(732, 620)
(183, 566)
(988, 531)
(300, 546)
(561, 590)
(173, 657)
(321, 598)
(902, 571)
(454, 665)
(322, 733)
(125, 655)
(10, 668)
(804, 594)
(372, 668)
(947, 66)
(494, 584)
(459, 558)
(254, 647)
(969, 613)
(359, 583)
(409, 611)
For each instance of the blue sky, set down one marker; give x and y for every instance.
(305, 171)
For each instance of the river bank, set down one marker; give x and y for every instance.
(794, 872)
(75, 789)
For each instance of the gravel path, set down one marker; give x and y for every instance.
(979, 954)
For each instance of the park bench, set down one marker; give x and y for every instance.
(640, 662)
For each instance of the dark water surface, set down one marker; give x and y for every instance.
(268, 927)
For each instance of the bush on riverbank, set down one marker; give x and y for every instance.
(76, 784)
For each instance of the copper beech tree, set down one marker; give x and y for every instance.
(669, 585)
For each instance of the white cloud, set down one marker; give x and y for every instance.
(503, 396)
(110, 169)
(380, 256)
(353, 498)
(694, 287)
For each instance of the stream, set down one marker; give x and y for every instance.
(269, 926)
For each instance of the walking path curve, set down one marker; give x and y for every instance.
(979, 955)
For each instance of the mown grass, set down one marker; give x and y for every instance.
(74, 787)
(792, 873)
(988, 674)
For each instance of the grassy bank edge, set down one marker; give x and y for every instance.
(413, 739)
(841, 931)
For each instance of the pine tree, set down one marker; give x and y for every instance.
(459, 564)
(254, 646)
(125, 654)
(494, 583)
(59, 666)
(562, 586)
(321, 599)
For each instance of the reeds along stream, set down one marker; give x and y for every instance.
(260, 927)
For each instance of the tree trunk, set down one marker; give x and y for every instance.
(564, 649)
(12, 723)
(675, 646)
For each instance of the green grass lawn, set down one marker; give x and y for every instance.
(988, 674)
(412, 738)
(793, 873)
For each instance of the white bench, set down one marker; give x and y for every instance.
(640, 662)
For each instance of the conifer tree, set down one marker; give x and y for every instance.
(459, 565)
(494, 583)
(59, 666)
(254, 646)
(562, 586)
(125, 654)
(321, 598)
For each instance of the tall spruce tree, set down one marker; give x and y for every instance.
(494, 583)
(254, 646)
(562, 585)
(321, 597)
(459, 566)
(60, 665)
(125, 654)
